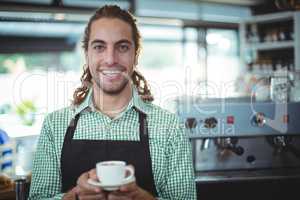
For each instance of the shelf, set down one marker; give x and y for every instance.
(268, 18)
(273, 49)
(271, 45)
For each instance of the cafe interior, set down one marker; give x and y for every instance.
(230, 70)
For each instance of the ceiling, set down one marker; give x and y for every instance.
(99, 2)
(237, 2)
(80, 10)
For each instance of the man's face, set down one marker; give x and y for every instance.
(111, 54)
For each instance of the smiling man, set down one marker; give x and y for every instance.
(111, 58)
(112, 118)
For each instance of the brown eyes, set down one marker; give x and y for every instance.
(121, 48)
(99, 48)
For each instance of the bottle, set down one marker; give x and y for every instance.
(21, 189)
(6, 154)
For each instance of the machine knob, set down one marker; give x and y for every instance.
(251, 159)
(210, 122)
(258, 120)
(191, 123)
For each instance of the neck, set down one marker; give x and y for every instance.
(111, 105)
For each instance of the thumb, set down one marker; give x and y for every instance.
(93, 174)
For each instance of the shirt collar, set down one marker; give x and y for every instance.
(136, 102)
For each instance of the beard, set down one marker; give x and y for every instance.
(111, 90)
(113, 87)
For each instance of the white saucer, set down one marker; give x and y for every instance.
(110, 187)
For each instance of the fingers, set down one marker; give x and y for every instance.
(93, 174)
(130, 191)
(133, 191)
(88, 194)
(83, 192)
(131, 187)
(84, 186)
(93, 197)
(118, 196)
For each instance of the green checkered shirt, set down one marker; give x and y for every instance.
(169, 147)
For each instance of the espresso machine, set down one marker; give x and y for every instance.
(243, 148)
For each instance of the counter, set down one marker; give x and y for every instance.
(277, 184)
(8, 194)
(247, 175)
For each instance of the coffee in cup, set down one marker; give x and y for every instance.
(113, 172)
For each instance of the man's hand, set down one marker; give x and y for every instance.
(84, 190)
(130, 192)
(71, 195)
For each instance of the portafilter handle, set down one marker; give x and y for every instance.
(205, 143)
(229, 143)
(283, 144)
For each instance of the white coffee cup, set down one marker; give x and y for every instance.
(113, 172)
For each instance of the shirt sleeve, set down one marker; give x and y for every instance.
(180, 177)
(46, 181)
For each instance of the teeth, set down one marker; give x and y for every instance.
(111, 72)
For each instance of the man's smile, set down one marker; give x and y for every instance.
(112, 74)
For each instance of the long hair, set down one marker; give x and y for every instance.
(113, 11)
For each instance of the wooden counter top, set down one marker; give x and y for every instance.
(8, 194)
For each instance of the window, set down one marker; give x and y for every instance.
(211, 61)
(34, 85)
(161, 61)
(222, 62)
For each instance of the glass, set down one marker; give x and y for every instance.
(295, 89)
(280, 87)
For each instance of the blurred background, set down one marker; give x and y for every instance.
(199, 48)
(185, 44)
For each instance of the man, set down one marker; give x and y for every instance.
(112, 118)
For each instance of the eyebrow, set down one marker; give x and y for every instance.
(118, 42)
(97, 41)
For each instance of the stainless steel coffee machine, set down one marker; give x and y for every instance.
(237, 140)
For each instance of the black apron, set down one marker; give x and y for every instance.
(79, 156)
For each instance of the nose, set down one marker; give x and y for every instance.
(110, 57)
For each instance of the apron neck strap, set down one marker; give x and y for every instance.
(72, 127)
